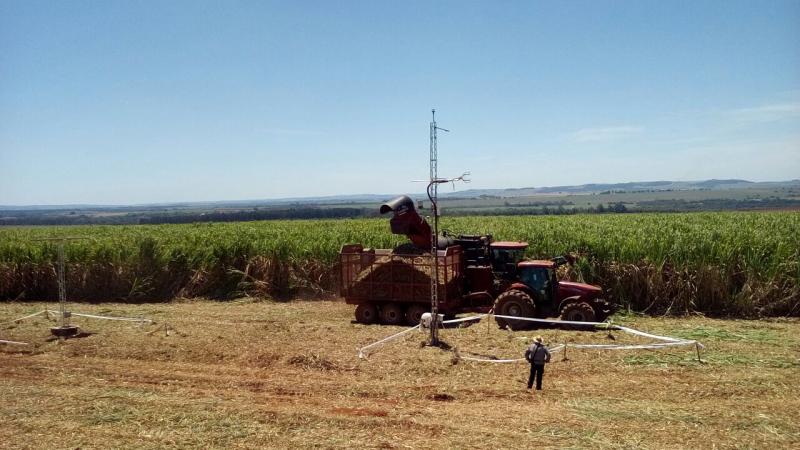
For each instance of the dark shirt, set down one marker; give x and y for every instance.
(537, 354)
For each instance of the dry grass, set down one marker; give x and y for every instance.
(257, 374)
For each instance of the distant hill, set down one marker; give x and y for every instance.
(593, 188)
(636, 186)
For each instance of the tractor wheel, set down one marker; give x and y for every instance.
(514, 303)
(392, 314)
(366, 313)
(414, 314)
(578, 312)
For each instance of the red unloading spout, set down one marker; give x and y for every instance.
(406, 221)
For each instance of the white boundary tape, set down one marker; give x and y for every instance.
(48, 311)
(92, 316)
(465, 319)
(20, 319)
(555, 349)
(652, 336)
(362, 352)
(667, 341)
(24, 317)
(567, 322)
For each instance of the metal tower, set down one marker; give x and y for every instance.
(433, 191)
(65, 329)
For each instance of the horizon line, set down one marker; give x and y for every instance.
(341, 196)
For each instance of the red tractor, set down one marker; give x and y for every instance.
(476, 274)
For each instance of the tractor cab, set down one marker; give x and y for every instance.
(505, 256)
(539, 276)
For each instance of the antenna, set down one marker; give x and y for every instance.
(433, 192)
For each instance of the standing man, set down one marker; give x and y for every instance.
(538, 355)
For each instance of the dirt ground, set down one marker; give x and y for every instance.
(284, 375)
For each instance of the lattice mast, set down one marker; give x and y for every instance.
(433, 191)
(65, 328)
(62, 286)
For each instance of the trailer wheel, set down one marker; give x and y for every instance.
(366, 313)
(578, 312)
(392, 314)
(514, 303)
(414, 314)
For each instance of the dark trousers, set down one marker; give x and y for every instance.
(537, 371)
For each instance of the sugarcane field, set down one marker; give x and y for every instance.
(399, 225)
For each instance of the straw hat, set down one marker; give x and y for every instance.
(538, 339)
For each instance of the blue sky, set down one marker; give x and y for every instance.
(118, 102)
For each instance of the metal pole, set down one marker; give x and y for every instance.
(434, 153)
(432, 191)
(62, 290)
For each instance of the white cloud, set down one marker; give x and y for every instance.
(766, 113)
(606, 133)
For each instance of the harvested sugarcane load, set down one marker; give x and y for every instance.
(405, 278)
(400, 269)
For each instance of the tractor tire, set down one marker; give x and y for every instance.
(578, 312)
(414, 314)
(514, 303)
(366, 313)
(392, 314)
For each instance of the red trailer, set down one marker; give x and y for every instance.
(395, 287)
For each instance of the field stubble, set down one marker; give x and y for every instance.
(249, 374)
